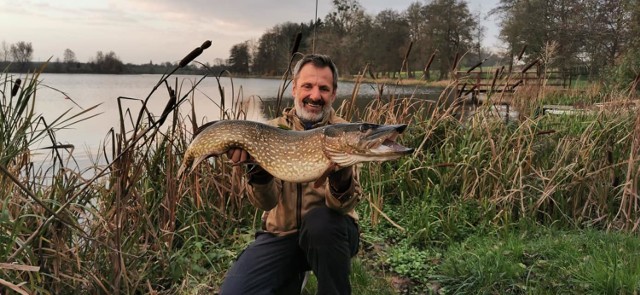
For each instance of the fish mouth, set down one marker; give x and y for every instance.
(381, 142)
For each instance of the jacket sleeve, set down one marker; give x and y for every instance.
(264, 195)
(347, 200)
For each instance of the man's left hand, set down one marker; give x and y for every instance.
(340, 180)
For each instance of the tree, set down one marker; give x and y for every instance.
(592, 33)
(345, 15)
(415, 15)
(344, 35)
(108, 63)
(273, 49)
(608, 31)
(5, 51)
(22, 52)
(478, 35)
(239, 58)
(449, 28)
(69, 56)
(390, 37)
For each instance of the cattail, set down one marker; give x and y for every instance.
(15, 88)
(522, 52)
(533, 63)
(476, 65)
(194, 53)
(169, 107)
(455, 61)
(296, 44)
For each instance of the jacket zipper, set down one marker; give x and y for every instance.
(299, 206)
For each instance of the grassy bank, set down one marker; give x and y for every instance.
(544, 204)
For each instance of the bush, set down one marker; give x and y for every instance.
(621, 76)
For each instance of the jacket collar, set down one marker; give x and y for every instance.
(294, 120)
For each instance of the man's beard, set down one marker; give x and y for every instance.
(309, 117)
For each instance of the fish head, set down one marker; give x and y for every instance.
(352, 143)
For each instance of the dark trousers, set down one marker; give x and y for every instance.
(276, 265)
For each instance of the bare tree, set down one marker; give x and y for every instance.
(22, 52)
(69, 56)
(5, 51)
(345, 15)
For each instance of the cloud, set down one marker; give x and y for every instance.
(241, 14)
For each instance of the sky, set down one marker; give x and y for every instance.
(143, 31)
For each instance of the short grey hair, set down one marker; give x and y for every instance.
(320, 61)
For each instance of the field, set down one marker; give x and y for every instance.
(546, 204)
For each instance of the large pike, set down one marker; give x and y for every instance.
(298, 156)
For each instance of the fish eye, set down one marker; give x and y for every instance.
(366, 127)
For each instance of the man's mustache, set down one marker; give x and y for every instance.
(319, 102)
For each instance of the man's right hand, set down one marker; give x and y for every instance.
(238, 156)
(255, 172)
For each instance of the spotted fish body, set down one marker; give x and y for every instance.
(297, 156)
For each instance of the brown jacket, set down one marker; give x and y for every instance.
(286, 203)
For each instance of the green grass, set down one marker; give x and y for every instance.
(363, 281)
(543, 261)
(525, 258)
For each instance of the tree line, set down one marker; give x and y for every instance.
(588, 36)
(17, 58)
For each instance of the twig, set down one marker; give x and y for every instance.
(385, 215)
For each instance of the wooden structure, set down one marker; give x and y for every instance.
(480, 83)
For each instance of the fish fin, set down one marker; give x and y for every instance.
(340, 158)
(320, 181)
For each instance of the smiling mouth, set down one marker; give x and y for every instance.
(318, 104)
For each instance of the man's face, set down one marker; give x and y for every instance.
(313, 93)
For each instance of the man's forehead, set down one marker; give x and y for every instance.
(311, 73)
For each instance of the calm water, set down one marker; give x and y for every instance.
(89, 90)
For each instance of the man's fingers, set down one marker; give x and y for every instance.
(238, 156)
(243, 156)
(234, 155)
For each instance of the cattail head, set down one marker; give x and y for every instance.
(194, 53)
(15, 88)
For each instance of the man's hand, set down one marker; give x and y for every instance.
(238, 156)
(255, 172)
(340, 180)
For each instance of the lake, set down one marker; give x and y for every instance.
(88, 90)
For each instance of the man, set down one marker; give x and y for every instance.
(305, 227)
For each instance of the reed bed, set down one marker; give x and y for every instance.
(135, 228)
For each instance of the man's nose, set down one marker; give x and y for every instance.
(315, 93)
